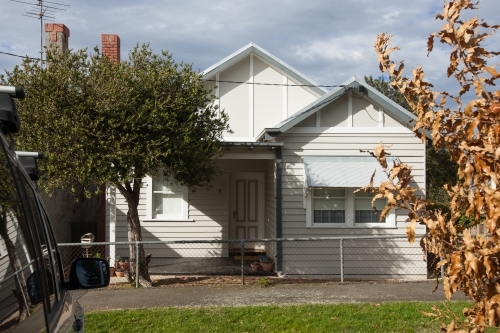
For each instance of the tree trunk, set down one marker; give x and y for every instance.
(21, 292)
(131, 194)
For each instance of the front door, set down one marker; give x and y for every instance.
(246, 215)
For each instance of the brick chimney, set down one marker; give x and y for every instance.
(111, 47)
(56, 37)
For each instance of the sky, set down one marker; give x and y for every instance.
(329, 41)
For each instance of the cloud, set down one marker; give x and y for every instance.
(328, 41)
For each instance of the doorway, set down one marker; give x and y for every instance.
(246, 205)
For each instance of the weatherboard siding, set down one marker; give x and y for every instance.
(208, 211)
(406, 147)
(343, 128)
(376, 259)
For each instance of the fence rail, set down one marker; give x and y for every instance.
(356, 257)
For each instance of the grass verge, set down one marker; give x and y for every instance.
(362, 317)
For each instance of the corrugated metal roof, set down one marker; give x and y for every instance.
(342, 171)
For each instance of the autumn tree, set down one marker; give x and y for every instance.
(103, 123)
(383, 85)
(440, 168)
(469, 129)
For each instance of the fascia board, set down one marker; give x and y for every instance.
(388, 103)
(393, 108)
(268, 57)
(227, 61)
(315, 106)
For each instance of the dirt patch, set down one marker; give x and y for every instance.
(219, 281)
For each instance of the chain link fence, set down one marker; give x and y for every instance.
(340, 258)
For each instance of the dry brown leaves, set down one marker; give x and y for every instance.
(471, 134)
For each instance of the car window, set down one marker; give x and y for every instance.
(57, 267)
(46, 246)
(19, 264)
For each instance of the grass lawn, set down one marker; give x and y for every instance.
(362, 317)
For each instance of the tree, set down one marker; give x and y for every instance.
(384, 86)
(440, 168)
(470, 132)
(103, 123)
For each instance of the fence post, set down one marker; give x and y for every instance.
(341, 260)
(137, 264)
(243, 262)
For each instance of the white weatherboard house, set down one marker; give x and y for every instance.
(289, 170)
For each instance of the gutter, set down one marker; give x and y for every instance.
(251, 144)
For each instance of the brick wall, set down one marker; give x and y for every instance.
(56, 37)
(111, 47)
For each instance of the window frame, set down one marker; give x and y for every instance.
(344, 198)
(149, 181)
(390, 220)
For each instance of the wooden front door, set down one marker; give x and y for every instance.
(246, 215)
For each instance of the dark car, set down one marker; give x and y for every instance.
(34, 296)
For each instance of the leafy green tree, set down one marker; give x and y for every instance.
(384, 86)
(103, 123)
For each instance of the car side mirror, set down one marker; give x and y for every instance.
(88, 273)
(34, 290)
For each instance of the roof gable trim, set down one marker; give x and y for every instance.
(386, 103)
(270, 59)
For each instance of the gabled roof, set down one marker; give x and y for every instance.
(268, 57)
(394, 109)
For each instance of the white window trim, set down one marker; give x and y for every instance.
(149, 205)
(390, 220)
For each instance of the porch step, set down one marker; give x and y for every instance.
(250, 254)
(247, 258)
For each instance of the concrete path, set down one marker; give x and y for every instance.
(196, 296)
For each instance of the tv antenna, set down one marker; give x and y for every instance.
(45, 13)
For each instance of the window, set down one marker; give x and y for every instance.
(363, 209)
(329, 205)
(341, 207)
(167, 200)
